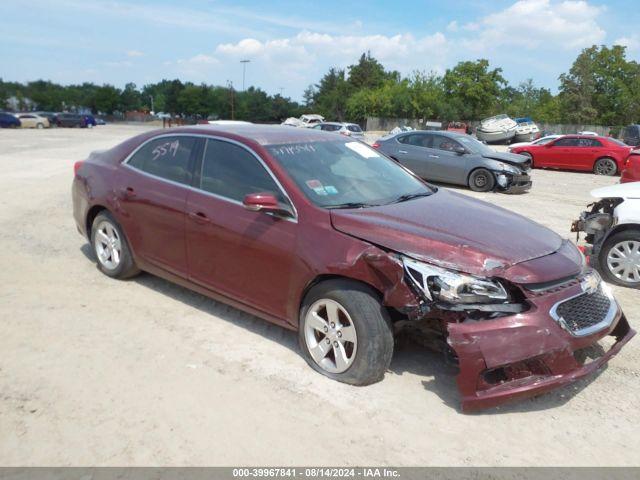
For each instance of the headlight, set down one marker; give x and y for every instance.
(439, 284)
(509, 168)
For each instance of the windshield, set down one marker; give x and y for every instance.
(346, 174)
(545, 140)
(474, 146)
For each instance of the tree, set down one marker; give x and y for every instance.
(369, 73)
(473, 88)
(107, 99)
(130, 98)
(602, 87)
(332, 94)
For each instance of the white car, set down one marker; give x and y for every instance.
(32, 120)
(308, 120)
(541, 141)
(588, 132)
(612, 228)
(343, 128)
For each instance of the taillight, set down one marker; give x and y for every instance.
(76, 166)
(376, 145)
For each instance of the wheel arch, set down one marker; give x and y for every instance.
(324, 277)
(92, 213)
(623, 227)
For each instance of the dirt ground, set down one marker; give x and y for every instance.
(95, 371)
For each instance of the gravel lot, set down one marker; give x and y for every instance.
(101, 372)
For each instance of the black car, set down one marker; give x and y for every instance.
(457, 158)
(51, 116)
(75, 120)
(7, 120)
(631, 135)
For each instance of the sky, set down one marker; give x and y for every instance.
(291, 44)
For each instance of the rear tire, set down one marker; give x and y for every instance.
(605, 166)
(481, 180)
(345, 332)
(111, 248)
(39, 126)
(613, 256)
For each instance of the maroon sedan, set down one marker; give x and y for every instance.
(585, 153)
(324, 235)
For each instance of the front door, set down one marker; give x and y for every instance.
(239, 253)
(451, 166)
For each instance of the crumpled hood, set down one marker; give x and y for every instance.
(458, 232)
(512, 158)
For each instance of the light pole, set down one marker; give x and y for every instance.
(153, 110)
(244, 71)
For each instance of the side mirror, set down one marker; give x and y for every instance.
(266, 202)
(460, 150)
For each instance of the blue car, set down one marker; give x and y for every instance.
(8, 121)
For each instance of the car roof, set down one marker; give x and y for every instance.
(261, 134)
(444, 133)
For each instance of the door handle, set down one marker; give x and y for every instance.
(128, 192)
(434, 156)
(199, 217)
(402, 151)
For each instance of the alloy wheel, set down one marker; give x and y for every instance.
(623, 261)
(330, 336)
(606, 167)
(108, 246)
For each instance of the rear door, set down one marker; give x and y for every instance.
(578, 154)
(152, 191)
(242, 254)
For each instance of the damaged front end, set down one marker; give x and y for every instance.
(596, 223)
(509, 340)
(512, 180)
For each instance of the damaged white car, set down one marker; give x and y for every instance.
(612, 228)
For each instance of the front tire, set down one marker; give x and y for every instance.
(111, 248)
(481, 180)
(619, 259)
(345, 332)
(40, 126)
(605, 166)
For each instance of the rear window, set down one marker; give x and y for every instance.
(166, 157)
(618, 142)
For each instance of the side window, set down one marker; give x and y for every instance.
(447, 144)
(231, 171)
(415, 139)
(166, 157)
(566, 142)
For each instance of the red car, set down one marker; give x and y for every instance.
(324, 235)
(631, 172)
(586, 153)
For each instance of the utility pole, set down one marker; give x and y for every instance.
(244, 71)
(230, 85)
(153, 110)
(281, 90)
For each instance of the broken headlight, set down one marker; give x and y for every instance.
(439, 284)
(505, 167)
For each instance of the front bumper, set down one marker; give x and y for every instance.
(514, 183)
(527, 354)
